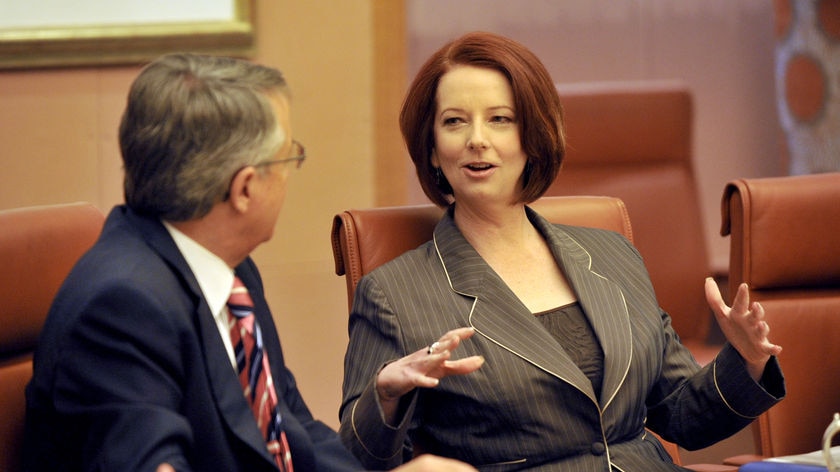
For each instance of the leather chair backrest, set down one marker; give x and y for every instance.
(785, 243)
(38, 247)
(363, 240)
(633, 140)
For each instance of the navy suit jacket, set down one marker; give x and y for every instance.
(529, 405)
(131, 371)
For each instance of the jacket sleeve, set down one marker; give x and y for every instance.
(374, 341)
(717, 401)
(117, 376)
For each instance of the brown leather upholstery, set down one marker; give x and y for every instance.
(632, 140)
(38, 246)
(363, 240)
(785, 243)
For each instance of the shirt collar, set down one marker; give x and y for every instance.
(214, 276)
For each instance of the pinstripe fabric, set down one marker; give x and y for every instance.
(529, 406)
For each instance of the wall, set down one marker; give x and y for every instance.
(722, 49)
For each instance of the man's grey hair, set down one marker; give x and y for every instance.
(192, 122)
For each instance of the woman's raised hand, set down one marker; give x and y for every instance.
(425, 367)
(744, 326)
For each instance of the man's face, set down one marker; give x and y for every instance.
(272, 182)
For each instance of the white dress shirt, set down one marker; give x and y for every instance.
(215, 278)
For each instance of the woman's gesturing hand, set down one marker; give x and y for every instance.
(425, 367)
(744, 327)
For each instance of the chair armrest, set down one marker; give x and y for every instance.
(743, 459)
(711, 467)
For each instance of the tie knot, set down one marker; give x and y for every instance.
(240, 302)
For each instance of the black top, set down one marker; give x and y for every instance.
(572, 330)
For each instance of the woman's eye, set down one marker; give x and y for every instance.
(501, 119)
(452, 120)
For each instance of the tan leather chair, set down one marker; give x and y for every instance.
(38, 246)
(363, 240)
(632, 140)
(785, 243)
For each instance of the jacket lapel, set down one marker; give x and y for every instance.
(223, 381)
(225, 384)
(498, 315)
(601, 300)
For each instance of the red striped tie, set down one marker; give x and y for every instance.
(255, 374)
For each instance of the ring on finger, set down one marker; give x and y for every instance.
(433, 347)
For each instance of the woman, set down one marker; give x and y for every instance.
(563, 354)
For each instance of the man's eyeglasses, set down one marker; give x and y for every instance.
(298, 154)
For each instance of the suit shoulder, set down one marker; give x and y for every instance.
(602, 244)
(594, 234)
(411, 260)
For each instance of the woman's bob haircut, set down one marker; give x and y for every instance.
(537, 107)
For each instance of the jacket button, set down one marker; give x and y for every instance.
(598, 448)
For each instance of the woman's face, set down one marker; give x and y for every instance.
(477, 144)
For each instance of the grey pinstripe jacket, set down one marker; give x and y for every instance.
(529, 406)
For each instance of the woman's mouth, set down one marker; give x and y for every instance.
(479, 170)
(479, 166)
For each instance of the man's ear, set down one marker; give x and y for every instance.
(240, 190)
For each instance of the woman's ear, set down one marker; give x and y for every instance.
(240, 190)
(434, 159)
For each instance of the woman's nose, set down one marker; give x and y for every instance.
(477, 140)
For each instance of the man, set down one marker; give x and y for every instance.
(160, 348)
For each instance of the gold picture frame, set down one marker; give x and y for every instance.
(111, 44)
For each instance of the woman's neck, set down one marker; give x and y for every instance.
(490, 229)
